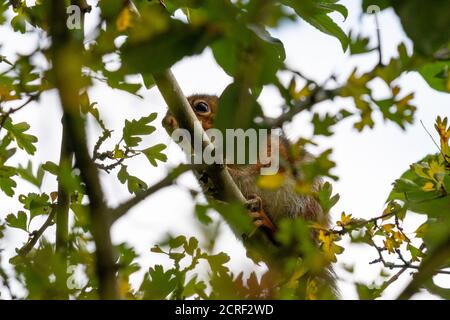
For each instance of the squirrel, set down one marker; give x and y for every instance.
(268, 206)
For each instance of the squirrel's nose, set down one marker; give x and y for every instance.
(169, 122)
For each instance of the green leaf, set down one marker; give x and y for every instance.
(266, 58)
(118, 81)
(177, 242)
(6, 183)
(51, 167)
(323, 124)
(6, 153)
(160, 49)
(359, 44)
(225, 52)
(19, 222)
(158, 284)
(155, 153)
(110, 9)
(127, 260)
(230, 116)
(135, 185)
(24, 141)
(193, 287)
(201, 212)
(415, 252)
(135, 128)
(156, 249)
(437, 75)
(191, 245)
(27, 174)
(315, 12)
(217, 262)
(69, 180)
(37, 204)
(426, 23)
(326, 199)
(148, 79)
(81, 215)
(2, 229)
(367, 292)
(18, 23)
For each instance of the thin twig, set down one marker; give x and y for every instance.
(7, 114)
(36, 235)
(318, 95)
(379, 49)
(393, 279)
(432, 139)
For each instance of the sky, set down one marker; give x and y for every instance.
(367, 163)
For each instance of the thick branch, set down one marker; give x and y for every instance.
(182, 111)
(436, 259)
(63, 204)
(66, 57)
(217, 175)
(62, 208)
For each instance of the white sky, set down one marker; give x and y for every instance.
(367, 163)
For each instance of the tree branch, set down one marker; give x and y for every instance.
(66, 50)
(438, 257)
(36, 235)
(7, 114)
(123, 208)
(318, 95)
(63, 204)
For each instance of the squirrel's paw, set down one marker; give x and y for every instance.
(260, 218)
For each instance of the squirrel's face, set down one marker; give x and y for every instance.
(205, 108)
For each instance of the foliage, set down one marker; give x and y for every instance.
(152, 38)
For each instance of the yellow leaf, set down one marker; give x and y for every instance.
(422, 230)
(329, 248)
(303, 93)
(345, 219)
(271, 182)
(436, 168)
(389, 244)
(119, 154)
(388, 227)
(429, 186)
(399, 237)
(123, 20)
(318, 226)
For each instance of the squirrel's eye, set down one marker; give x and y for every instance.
(201, 107)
